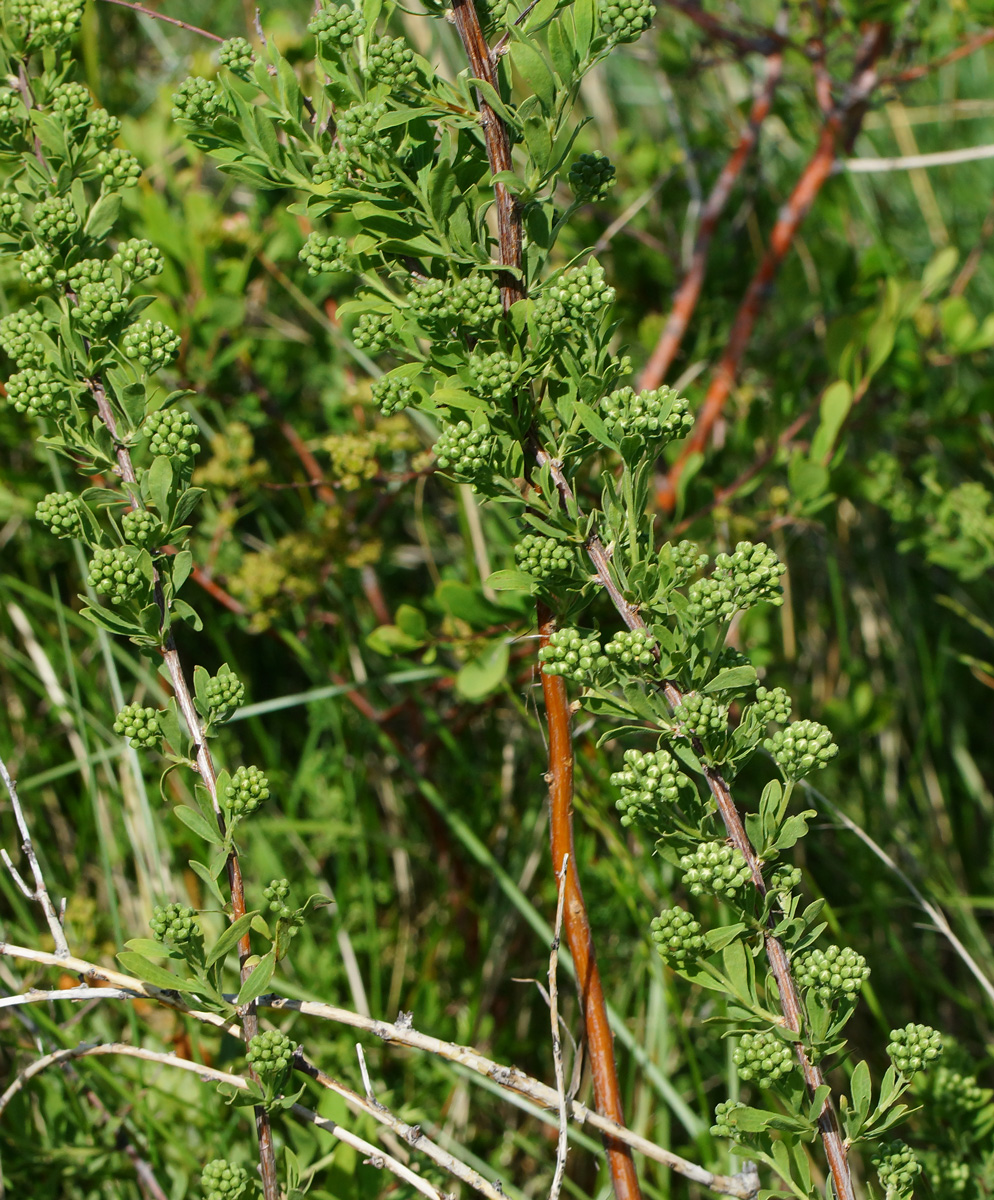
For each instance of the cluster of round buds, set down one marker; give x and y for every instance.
(223, 692)
(710, 599)
(837, 971)
(11, 108)
(176, 923)
(139, 725)
(572, 655)
(19, 333)
(493, 374)
(103, 127)
(724, 1121)
(955, 1092)
(897, 1168)
(632, 648)
(626, 20)
(99, 305)
(754, 571)
(702, 716)
(549, 317)
(197, 100)
(591, 177)
(38, 393)
(763, 1057)
(715, 868)
(270, 1054)
(71, 102)
(677, 935)
(142, 528)
(11, 210)
(139, 259)
(430, 302)
(475, 302)
(392, 393)
(391, 61)
(544, 557)
(332, 168)
(323, 253)
(654, 416)
(248, 788)
(466, 453)
(801, 748)
(222, 1180)
(771, 704)
(948, 1176)
(276, 896)
(687, 559)
(87, 270)
(914, 1047)
(36, 267)
(358, 133)
(49, 22)
(336, 26)
(118, 168)
(55, 219)
(60, 512)
(152, 343)
(236, 54)
(115, 573)
(647, 782)
(171, 432)
(373, 332)
(783, 879)
(583, 291)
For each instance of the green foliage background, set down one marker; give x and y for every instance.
(406, 760)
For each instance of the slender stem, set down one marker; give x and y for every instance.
(150, 12)
(557, 1042)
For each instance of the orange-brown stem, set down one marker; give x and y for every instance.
(576, 925)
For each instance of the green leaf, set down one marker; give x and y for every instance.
(511, 581)
(157, 484)
(149, 972)
(792, 830)
(209, 880)
(835, 405)
(485, 673)
(103, 216)
(182, 566)
(198, 825)
(861, 1088)
(731, 679)
(466, 603)
(229, 939)
(258, 981)
(595, 426)
(535, 72)
(107, 619)
(738, 966)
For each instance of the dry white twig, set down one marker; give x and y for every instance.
(557, 1047)
(914, 162)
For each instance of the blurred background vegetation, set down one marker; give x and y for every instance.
(392, 696)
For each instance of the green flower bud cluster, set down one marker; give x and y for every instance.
(71, 103)
(171, 432)
(914, 1047)
(248, 789)
(11, 211)
(324, 253)
(36, 267)
(549, 317)
(103, 128)
(19, 332)
(657, 416)
(99, 305)
(783, 880)
(176, 923)
(373, 332)
(277, 894)
(475, 302)
(710, 599)
(223, 692)
(687, 560)
(142, 528)
(763, 1057)
(139, 725)
(948, 1176)
(955, 1092)
(430, 302)
(753, 571)
(118, 168)
(391, 61)
(647, 783)
(544, 557)
(152, 343)
(591, 177)
(60, 512)
(801, 748)
(771, 704)
(236, 54)
(11, 108)
(139, 259)
(632, 649)
(466, 453)
(715, 868)
(897, 1168)
(583, 291)
(492, 14)
(837, 971)
(336, 26)
(87, 270)
(38, 393)
(49, 22)
(332, 168)
(677, 935)
(392, 394)
(270, 1054)
(55, 219)
(222, 1180)
(358, 133)
(493, 374)
(197, 100)
(724, 1124)
(572, 655)
(115, 573)
(626, 20)
(702, 716)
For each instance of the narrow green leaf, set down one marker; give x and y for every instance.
(148, 971)
(198, 825)
(229, 939)
(732, 678)
(258, 980)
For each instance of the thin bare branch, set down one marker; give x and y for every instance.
(562, 1148)
(157, 16)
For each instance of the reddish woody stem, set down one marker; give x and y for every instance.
(839, 130)
(970, 46)
(685, 299)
